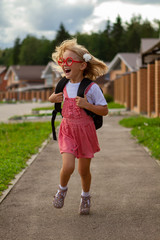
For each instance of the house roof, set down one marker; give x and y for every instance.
(130, 59)
(102, 79)
(148, 43)
(2, 69)
(26, 72)
(51, 67)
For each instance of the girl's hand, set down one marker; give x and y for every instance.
(56, 97)
(98, 109)
(81, 102)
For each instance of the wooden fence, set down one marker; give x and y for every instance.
(34, 95)
(140, 91)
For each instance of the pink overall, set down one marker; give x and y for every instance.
(77, 133)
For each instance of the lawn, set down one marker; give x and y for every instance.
(110, 106)
(17, 143)
(21, 117)
(147, 132)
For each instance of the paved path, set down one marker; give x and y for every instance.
(9, 110)
(125, 195)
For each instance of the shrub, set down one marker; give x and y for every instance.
(108, 98)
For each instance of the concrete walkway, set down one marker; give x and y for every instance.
(125, 195)
(9, 110)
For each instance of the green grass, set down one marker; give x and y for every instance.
(147, 132)
(17, 143)
(115, 105)
(9, 101)
(43, 108)
(110, 105)
(18, 117)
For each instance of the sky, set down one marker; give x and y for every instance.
(43, 17)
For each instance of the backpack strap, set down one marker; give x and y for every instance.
(83, 86)
(59, 88)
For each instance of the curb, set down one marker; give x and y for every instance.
(149, 152)
(19, 175)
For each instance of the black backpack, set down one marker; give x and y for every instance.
(98, 120)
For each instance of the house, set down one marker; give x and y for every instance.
(3, 83)
(30, 82)
(51, 74)
(105, 84)
(150, 50)
(137, 86)
(22, 78)
(122, 63)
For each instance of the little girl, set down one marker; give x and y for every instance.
(77, 134)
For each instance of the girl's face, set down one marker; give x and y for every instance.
(73, 69)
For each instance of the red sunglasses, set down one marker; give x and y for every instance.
(69, 61)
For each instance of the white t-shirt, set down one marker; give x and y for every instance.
(94, 95)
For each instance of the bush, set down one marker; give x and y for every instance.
(108, 98)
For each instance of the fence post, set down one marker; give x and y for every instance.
(142, 90)
(133, 90)
(157, 88)
(151, 89)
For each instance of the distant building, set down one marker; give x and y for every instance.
(122, 63)
(3, 83)
(51, 74)
(31, 82)
(22, 78)
(137, 78)
(150, 50)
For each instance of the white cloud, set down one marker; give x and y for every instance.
(110, 10)
(21, 17)
(136, 2)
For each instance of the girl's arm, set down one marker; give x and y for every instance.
(56, 97)
(98, 109)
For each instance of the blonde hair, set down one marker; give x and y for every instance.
(95, 67)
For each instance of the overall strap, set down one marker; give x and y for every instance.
(88, 88)
(65, 92)
(84, 87)
(85, 83)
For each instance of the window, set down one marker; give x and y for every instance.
(127, 69)
(16, 79)
(49, 80)
(118, 65)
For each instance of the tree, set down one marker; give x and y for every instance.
(117, 35)
(16, 51)
(157, 33)
(6, 57)
(61, 35)
(29, 49)
(44, 52)
(133, 34)
(108, 49)
(147, 31)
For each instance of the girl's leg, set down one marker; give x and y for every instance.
(67, 169)
(84, 171)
